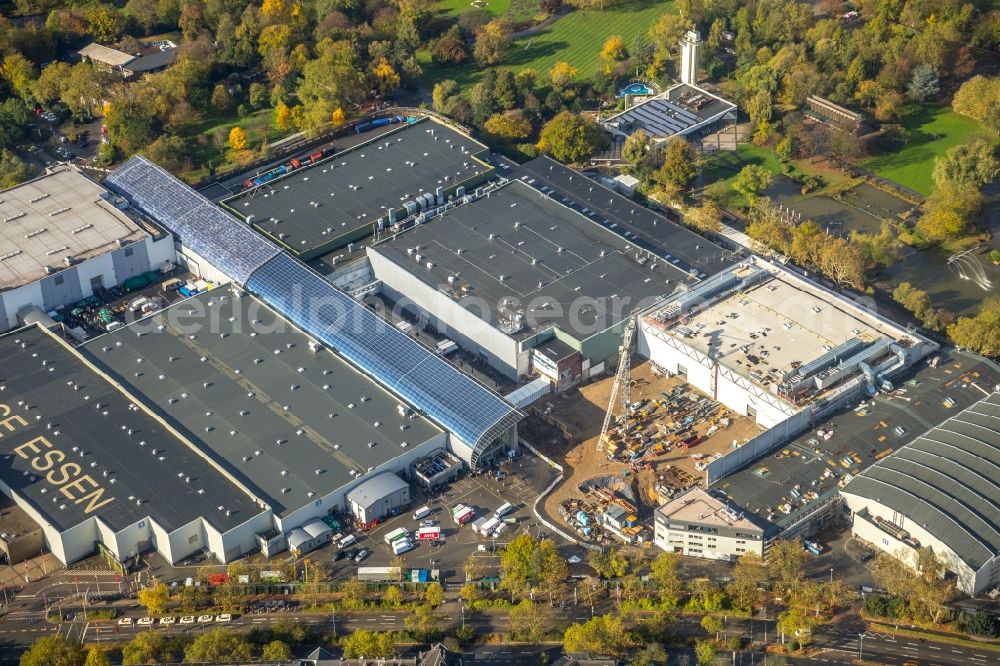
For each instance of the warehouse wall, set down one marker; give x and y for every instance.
(455, 321)
(658, 351)
(242, 538)
(336, 499)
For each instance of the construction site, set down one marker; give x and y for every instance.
(669, 433)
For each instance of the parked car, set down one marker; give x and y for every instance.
(339, 555)
(206, 618)
(428, 523)
(125, 622)
(352, 553)
(225, 617)
(362, 554)
(187, 619)
(145, 621)
(167, 620)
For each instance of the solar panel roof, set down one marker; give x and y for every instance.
(456, 401)
(214, 234)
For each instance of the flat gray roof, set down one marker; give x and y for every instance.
(374, 489)
(57, 215)
(518, 250)
(946, 480)
(286, 420)
(814, 465)
(353, 189)
(129, 454)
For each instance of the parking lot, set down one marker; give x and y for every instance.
(521, 481)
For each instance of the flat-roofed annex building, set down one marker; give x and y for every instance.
(511, 268)
(940, 491)
(89, 462)
(62, 235)
(679, 111)
(771, 344)
(343, 198)
(282, 414)
(697, 523)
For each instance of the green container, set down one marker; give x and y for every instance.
(135, 283)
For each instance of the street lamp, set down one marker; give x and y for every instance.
(831, 575)
(861, 644)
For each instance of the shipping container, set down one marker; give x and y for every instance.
(465, 516)
(316, 157)
(425, 533)
(396, 535)
(490, 525)
(457, 509)
(477, 524)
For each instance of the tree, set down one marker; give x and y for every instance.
(562, 74)
(469, 593)
(276, 651)
(792, 623)
(53, 651)
(707, 217)
(507, 127)
(744, 590)
(603, 634)
(666, 35)
(19, 74)
(13, 169)
(237, 138)
(332, 80)
(423, 621)
(924, 83)
(148, 647)
(970, 162)
(386, 78)
(97, 657)
(530, 621)
(352, 593)
(393, 596)
(222, 101)
(941, 224)
(613, 49)
(679, 166)
(104, 22)
(218, 646)
(51, 82)
(663, 572)
(915, 300)
(505, 89)
(492, 42)
(155, 598)
(787, 560)
(570, 138)
(636, 153)
(283, 116)
(653, 654)
(450, 48)
(550, 6)
(979, 99)
(981, 624)
(474, 568)
(712, 625)
(704, 651)
(434, 594)
(752, 180)
(369, 644)
(337, 117)
(979, 333)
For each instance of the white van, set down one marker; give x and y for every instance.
(347, 541)
(402, 546)
(422, 512)
(506, 508)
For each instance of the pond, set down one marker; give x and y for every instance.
(860, 209)
(958, 282)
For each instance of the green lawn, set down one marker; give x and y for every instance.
(933, 130)
(719, 170)
(575, 38)
(456, 7)
(258, 125)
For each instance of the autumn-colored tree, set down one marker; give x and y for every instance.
(155, 598)
(979, 98)
(613, 49)
(337, 117)
(562, 74)
(386, 77)
(980, 333)
(492, 42)
(571, 138)
(282, 116)
(508, 126)
(237, 138)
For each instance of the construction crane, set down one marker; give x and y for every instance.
(622, 384)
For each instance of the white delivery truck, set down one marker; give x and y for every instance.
(402, 546)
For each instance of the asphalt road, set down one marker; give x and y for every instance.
(838, 643)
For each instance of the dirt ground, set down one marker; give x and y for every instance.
(570, 424)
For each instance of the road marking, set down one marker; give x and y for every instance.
(933, 647)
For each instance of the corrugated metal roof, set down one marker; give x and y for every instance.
(375, 488)
(946, 481)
